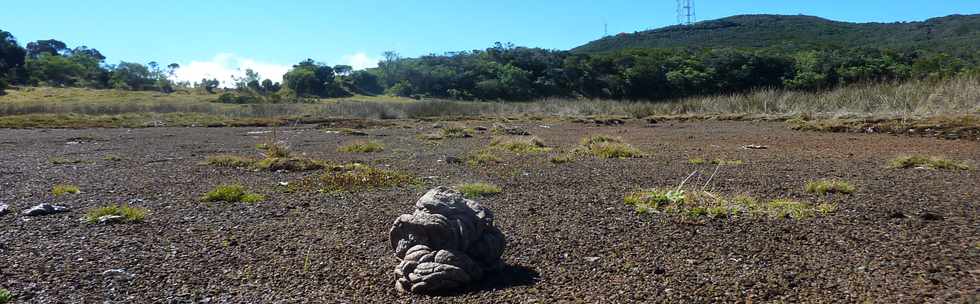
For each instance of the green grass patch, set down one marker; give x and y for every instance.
(931, 162)
(233, 161)
(561, 159)
(5, 296)
(362, 147)
(482, 157)
(608, 147)
(475, 190)
(233, 194)
(707, 204)
(520, 145)
(63, 189)
(354, 177)
(129, 214)
(825, 186)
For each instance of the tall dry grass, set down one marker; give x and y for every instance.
(909, 99)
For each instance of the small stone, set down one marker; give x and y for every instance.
(110, 219)
(591, 259)
(44, 209)
(3, 209)
(755, 147)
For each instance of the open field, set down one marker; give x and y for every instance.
(865, 225)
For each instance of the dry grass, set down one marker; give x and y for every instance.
(63, 189)
(930, 162)
(520, 145)
(476, 190)
(703, 203)
(608, 147)
(354, 177)
(362, 147)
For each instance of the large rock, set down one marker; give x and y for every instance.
(4, 208)
(447, 243)
(44, 209)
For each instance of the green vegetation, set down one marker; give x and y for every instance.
(476, 190)
(825, 186)
(482, 157)
(5, 296)
(608, 147)
(65, 161)
(233, 194)
(948, 34)
(353, 177)
(362, 147)
(561, 159)
(129, 214)
(697, 161)
(520, 145)
(62, 189)
(934, 162)
(698, 203)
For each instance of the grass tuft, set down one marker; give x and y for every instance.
(475, 190)
(482, 157)
(233, 161)
(608, 147)
(233, 194)
(63, 189)
(561, 159)
(825, 186)
(702, 203)
(354, 177)
(520, 145)
(362, 147)
(933, 162)
(129, 214)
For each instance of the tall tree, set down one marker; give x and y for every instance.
(50, 46)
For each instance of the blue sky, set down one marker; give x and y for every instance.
(218, 37)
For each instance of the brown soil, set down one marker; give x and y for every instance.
(906, 235)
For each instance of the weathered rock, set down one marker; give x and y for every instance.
(44, 209)
(447, 243)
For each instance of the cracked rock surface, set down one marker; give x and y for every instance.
(447, 243)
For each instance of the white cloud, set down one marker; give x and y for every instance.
(225, 65)
(360, 61)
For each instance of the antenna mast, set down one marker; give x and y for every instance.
(685, 12)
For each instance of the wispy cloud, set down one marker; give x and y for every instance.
(224, 66)
(360, 61)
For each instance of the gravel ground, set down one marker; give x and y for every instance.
(906, 235)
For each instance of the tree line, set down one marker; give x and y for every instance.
(503, 72)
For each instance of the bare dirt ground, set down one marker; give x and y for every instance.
(906, 235)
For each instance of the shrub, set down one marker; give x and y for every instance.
(829, 186)
(475, 190)
(520, 145)
(935, 162)
(232, 194)
(362, 147)
(62, 189)
(128, 214)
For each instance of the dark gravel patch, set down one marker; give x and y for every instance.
(904, 236)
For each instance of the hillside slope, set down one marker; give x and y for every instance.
(956, 34)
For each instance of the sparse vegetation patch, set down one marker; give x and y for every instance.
(608, 147)
(353, 177)
(233, 194)
(703, 203)
(520, 145)
(362, 147)
(126, 214)
(475, 190)
(825, 186)
(5, 296)
(933, 162)
(233, 161)
(63, 189)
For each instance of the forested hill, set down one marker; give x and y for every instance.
(955, 34)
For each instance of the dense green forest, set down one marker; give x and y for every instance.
(956, 34)
(787, 52)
